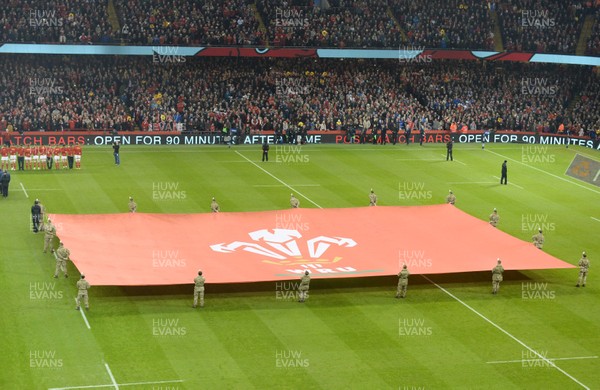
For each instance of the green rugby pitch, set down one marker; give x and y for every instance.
(449, 333)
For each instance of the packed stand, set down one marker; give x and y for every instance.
(593, 43)
(362, 23)
(174, 22)
(455, 24)
(530, 97)
(250, 95)
(52, 21)
(585, 110)
(527, 25)
(552, 26)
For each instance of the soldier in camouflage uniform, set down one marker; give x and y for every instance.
(372, 198)
(82, 293)
(50, 233)
(497, 277)
(62, 255)
(538, 240)
(132, 205)
(402, 282)
(494, 218)
(214, 206)
(199, 289)
(295, 203)
(584, 265)
(304, 285)
(451, 198)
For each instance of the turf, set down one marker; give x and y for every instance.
(349, 334)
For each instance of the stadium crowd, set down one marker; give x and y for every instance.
(171, 22)
(457, 24)
(363, 23)
(249, 95)
(522, 98)
(525, 25)
(551, 26)
(593, 43)
(586, 108)
(53, 21)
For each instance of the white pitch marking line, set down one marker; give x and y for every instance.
(148, 383)
(417, 159)
(516, 185)
(506, 333)
(472, 182)
(276, 178)
(535, 360)
(460, 162)
(23, 187)
(83, 314)
(112, 378)
(595, 219)
(548, 173)
(111, 385)
(512, 184)
(281, 185)
(80, 387)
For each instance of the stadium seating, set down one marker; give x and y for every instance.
(173, 22)
(551, 26)
(206, 94)
(52, 21)
(524, 25)
(363, 23)
(457, 24)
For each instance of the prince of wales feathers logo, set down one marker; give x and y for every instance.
(281, 247)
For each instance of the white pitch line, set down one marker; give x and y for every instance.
(548, 173)
(516, 185)
(453, 159)
(417, 159)
(83, 315)
(148, 383)
(23, 187)
(512, 184)
(535, 360)
(111, 385)
(472, 182)
(508, 334)
(595, 219)
(281, 185)
(80, 387)
(112, 378)
(276, 178)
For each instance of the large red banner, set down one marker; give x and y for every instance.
(162, 249)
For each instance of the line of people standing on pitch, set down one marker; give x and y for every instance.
(291, 134)
(40, 157)
(385, 132)
(61, 254)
